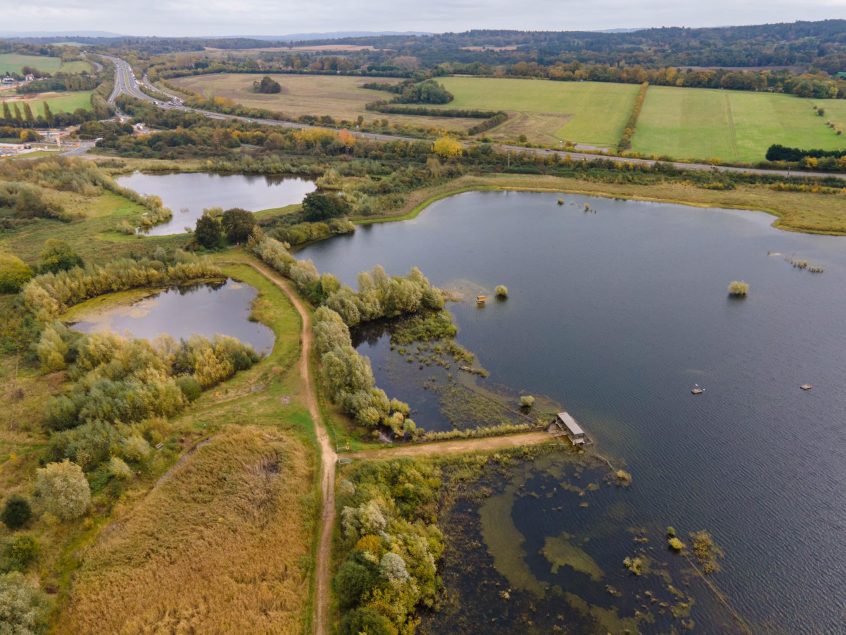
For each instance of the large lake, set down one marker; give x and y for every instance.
(616, 314)
(202, 309)
(188, 194)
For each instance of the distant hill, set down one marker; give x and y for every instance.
(20, 35)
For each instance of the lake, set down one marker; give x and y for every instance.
(205, 309)
(188, 194)
(616, 314)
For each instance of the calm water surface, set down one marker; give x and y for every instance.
(206, 309)
(188, 194)
(616, 314)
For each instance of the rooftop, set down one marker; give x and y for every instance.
(570, 423)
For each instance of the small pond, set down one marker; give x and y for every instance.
(188, 194)
(206, 309)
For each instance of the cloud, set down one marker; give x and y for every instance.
(268, 17)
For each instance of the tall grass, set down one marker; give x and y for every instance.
(221, 545)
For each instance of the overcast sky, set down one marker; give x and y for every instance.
(279, 17)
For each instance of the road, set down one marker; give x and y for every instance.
(127, 84)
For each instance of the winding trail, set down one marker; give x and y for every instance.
(328, 458)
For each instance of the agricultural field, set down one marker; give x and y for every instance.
(59, 102)
(341, 97)
(14, 63)
(733, 126)
(547, 113)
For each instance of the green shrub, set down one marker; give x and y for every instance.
(353, 581)
(367, 621)
(18, 553)
(527, 401)
(17, 512)
(119, 469)
(14, 273)
(501, 291)
(57, 256)
(208, 232)
(24, 609)
(64, 489)
(318, 206)
(189, 386)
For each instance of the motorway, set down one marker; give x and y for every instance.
(127, 84)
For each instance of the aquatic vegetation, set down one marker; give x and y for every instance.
(635, 564)
(738, 288)
(706, 551)
(501, 292)
(623, 478)
(675, 544)
(561, 552)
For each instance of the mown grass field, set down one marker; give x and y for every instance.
(547, 113)
(14, 63)
(59, 102)
(735, 126)
(341, 97)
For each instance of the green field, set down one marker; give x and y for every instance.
(59, 102)
(14, 63)
(340, 97)
(735, 126)
(588, 113)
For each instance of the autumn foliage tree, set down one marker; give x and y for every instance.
(448, 147)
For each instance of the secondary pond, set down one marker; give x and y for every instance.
(188, 194)
(616, 309)
(209, 309)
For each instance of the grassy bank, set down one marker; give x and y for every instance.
(808, 212)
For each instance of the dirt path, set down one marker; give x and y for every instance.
(328, 458)
(458, 446)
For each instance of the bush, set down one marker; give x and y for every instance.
(23, 608)
(64, 488)
(238, 225)
(738, 289)
(17, 512)
(353, 581)
(189, 386)
(18, 553)
(368, 621)
(208, 232)
(527, 401)
(57, 256)
(319, 206)
(501, 291)
(267, 86)
(119, 469)
(14, 273)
